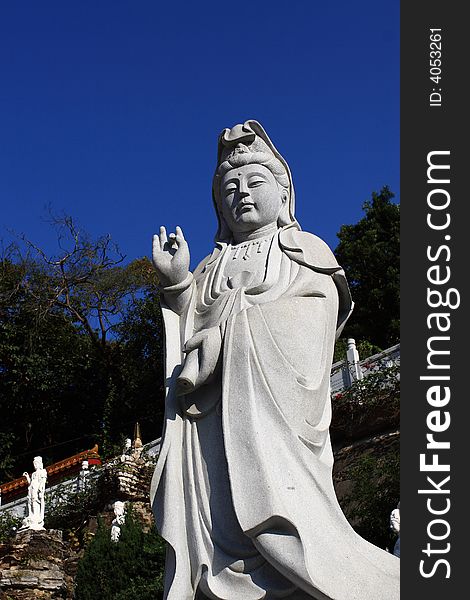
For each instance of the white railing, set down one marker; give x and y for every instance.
(17, 508)
(345, 372)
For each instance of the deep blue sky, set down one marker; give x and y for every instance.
(110, 110)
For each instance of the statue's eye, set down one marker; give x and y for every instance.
(230, 190)
(256, 183)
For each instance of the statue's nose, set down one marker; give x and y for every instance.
(243, 190)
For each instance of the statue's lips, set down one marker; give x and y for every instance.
(245, 207)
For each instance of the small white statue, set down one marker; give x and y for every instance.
(36, 489)
(127, 450)
(83, 476)
(119, 519)
(395, 526)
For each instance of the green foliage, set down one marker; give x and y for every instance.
(369, 252)
(138, 393)
(377, 395)
(8, 525)
(371, 405)
(80, 350)
(6, 460)
(129, 569)
(48, 372)
(376, 492)
(69, 510)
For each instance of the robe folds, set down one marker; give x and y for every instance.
(242, 490)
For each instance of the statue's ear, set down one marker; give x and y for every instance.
(284, 214)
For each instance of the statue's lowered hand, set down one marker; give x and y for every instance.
(202, 356)
(170, 257)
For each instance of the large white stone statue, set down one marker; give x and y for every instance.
(243, 490)
(36, 489)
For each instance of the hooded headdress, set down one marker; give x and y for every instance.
(249, 144)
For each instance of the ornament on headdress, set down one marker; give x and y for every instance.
(238, 149)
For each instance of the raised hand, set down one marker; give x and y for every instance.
(170, 257)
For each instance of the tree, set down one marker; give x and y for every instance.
(80, 349)
(88, 281)
(46, 370)
(369, 252)
(141, 376)
(376, 491)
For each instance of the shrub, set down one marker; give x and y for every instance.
(369, 405)
(8, 525)
(69, 510)
(375, 493)
(129, 569)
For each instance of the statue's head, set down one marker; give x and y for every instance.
(252, 184)
(119, 508)
(37, 462)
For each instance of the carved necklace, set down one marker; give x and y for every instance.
(247, 249)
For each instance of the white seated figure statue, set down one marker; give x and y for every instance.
(242, 490)
(36, 493)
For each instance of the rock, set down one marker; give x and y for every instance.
(32, 566)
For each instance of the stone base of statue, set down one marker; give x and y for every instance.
(29, 524)
(33, 565)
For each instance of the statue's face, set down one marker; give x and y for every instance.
(119, 508)
(251, 198)
(37, 463)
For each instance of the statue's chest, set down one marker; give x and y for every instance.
(245, 264)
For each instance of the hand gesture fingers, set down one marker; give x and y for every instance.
(156, 247)
(170, 255)
(180, 237)
(183, 249)
(163, 237)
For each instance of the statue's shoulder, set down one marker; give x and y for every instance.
(311, 251)
(308, 249)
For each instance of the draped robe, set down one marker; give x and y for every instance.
(243, 490)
